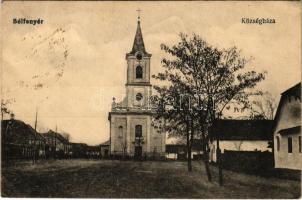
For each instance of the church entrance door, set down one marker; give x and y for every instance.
(138, 152)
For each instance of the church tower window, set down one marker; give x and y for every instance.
(120, 131)
(278, 143)
(138, 131)
(139, 72)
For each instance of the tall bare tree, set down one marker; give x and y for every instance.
(262, 107)
(5, 107)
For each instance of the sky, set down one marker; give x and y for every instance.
(70, 67)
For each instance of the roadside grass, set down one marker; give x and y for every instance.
(135, 179)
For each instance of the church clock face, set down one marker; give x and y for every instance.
(139, 97)
(139, 56)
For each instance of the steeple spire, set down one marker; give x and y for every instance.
(138, 44)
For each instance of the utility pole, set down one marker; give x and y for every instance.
(35, 135)
(56, 142)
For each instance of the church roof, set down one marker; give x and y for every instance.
(107, 143)
(138, 44)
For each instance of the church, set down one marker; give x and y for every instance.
(133, 132)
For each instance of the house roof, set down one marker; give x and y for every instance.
(18, 131)
(292, 130)
(242, 129)
(78, 144)
(293, 91)
(174, 148)
(52, 133)
(93, 148)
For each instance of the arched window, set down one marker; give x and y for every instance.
(139, 72)
(290, 145)
(138, 131)
(278, 143)
(120, 131)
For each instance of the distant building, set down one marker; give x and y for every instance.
(240, 135)
(79, 150)
(94, 152)
(176, 151)
(287, 130)
(179, 151)
(57, 145)
(105, 149)
(19, 140)
(132, 129)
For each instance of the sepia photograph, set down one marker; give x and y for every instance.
(151, 99)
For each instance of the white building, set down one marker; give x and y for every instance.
(287, 130)
(132, 130)
(241, 135)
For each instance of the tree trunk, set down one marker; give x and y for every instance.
(205, 158)
(189, 160)
(220, 171)
(219, 161)
(189, 149)
(191, 140)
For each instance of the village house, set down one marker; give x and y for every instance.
(175, 151)
(79, 150)
(179, 151)
(57, 146)
(240, 135)
(132, 129)
(98, 151)
(20, 141)
(287, 130)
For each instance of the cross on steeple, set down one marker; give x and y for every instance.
(139, 14)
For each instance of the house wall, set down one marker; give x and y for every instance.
(289, 116)
(238, 145)
(172, 156)
(105, 149)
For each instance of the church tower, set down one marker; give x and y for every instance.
(138, 87)
(132, 133)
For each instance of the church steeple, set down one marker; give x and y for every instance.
(138, 44)
(138, 62)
